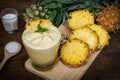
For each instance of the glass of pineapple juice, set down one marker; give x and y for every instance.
(42, 48)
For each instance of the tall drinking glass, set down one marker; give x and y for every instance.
(42, 48)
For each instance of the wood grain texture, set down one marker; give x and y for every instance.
(61, 71)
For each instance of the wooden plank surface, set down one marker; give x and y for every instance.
(61, 71)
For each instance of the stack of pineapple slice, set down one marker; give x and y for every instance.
(86, 37)
(102, 34)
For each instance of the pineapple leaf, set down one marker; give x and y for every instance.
(53, 15)
(74, 7)
(68, 1)
(51, 5)
(60, 5)
(58, 19)
(60, 8)
(65, 16)
(44, 2)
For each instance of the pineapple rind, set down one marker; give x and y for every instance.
(102, 35)
(80, 18)
(109, 17)
(74, 52)
(32, 25)
(87, 35)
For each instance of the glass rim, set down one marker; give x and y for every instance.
(15, 12)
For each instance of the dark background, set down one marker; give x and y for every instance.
(105, 67)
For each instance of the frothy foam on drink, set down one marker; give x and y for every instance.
(42, 40)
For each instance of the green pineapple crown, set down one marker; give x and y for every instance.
(35, 12)
(57, 10)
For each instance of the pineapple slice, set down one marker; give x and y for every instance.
(76, 56)
(102, 35)
(32, 25)
(80, 18)
(87, 35)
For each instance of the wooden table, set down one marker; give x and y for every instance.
(105, 67)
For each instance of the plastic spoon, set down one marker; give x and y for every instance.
(8, 54)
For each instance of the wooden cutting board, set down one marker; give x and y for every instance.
(61, 71)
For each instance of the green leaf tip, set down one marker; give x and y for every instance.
(41, 29)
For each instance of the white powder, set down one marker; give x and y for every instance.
(11, 47)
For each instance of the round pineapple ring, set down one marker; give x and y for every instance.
(102, 35)
(86, 35)
(32, 25)
(80, 18)
(74, 53)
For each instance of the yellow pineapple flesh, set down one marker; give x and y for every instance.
(32, 25)
(102, 35)
(87, 35)
(74, 57)
(80, 18)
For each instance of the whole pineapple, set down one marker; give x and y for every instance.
(109, 17)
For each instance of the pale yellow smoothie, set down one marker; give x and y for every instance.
(42, 48)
